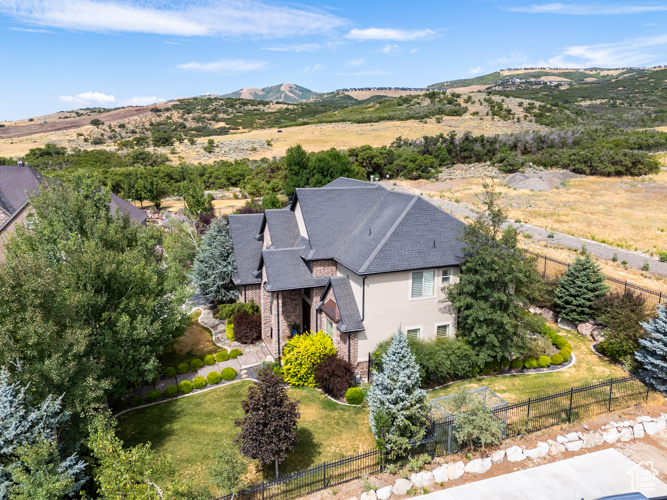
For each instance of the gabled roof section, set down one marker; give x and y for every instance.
(247, 248)
(286, 270)
(283, 228)
(16, 183)
(344, 182)
(350, 319)
(135, 213)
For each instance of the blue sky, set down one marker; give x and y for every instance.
(67, 54)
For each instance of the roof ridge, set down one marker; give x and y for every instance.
(269, 249)
(389, 233)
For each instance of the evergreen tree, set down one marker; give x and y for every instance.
(215, 265)
(653, 355)
(268, 430)
(578, 289)
(493, 286)
(396, 402)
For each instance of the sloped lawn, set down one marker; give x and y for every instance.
(589, 368)
(191, 429)
(196, 342)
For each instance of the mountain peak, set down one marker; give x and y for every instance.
(285, 92)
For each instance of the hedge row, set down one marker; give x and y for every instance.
(197, 363)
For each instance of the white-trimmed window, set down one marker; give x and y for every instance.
(329, 328)
(446, 276)
(443, 331)
(413, 333)
(422, 284)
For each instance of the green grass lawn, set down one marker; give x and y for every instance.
(192, 429)
(588, 369)
(196, 342)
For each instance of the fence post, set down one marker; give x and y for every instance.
(528, 412)
(626, 287)
(648, 390)
(544, 274)
(434, 440)
(660, 298)
(611, 388)
(263, 489)
(369, 368)
(325, 473)
(569, 415)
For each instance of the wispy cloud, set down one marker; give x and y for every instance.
(140, 101)
(304, 47)
(29, 30)
(107, 100)
(475, 71)
(515, 57)
(636, 52)
(312, 69)
(173, 43)
(225, 66)
(389, 49)
(185, 18)
(355, 63)
(389, 34)
(580, 9)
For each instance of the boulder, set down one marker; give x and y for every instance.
(515, 454)
(628, 423)
(561, 439)
(478, 466)
(455, 471)
(440, 474)
(651, 428)
(421, 479)
(585, 427)
(498, 456)
(598, 334)
(547, 314)
(353, 498)
(661, 422)
(401, 486)
(541, 450)
(572, 436)
(555, 448)
(593, 439)
(585, 328)
(566, 324)
(611, 436)
(626, 434)
(643, 419)
(580, 435)
(638, 431)
(384, 493)
(369, 495)
(574, 445)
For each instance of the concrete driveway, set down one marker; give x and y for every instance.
(585, 477)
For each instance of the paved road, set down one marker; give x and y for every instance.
(601, 251)
(585, 477)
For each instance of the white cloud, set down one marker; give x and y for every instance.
(312, 69)
(89, 98)
(355, 63)
(515, 57)
(172, 43)
(475, 71)
(303, 47)
(389, 34)
(225, 66)
(140, 101)
(636, 52)
(30, 30)
(185, 18)
(389, 49)
(577, 9)
(414, 51)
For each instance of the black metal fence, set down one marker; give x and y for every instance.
(519, 418)
(552, 268)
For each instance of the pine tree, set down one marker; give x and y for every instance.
(653, 355)
(215, 265)
(396, 401)
(578, 289)
(268, 430)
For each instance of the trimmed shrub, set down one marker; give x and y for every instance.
(213, 378)
(209, 359)
(229, 330)
(302, 354)
(235, 353)
(153, 396)
(136, 401)
(566, 352)
(185, 387)
(183, 368)
(334, 376)
(228, 373)
(247, 327)
(505, 362)
(226, 311)
(222, 356)
(516, 363)
(196, 364)
(543, 361)
(169, 372)
(199, 383)
(556, 359)
(354, 396)
(530, 363)
(560, 342)
(170, 391)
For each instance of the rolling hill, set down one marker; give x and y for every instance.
(285, 92)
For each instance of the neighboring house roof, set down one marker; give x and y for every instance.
(350, 319)
(247, 246)
(135, 213)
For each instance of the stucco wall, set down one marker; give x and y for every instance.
(21, 218)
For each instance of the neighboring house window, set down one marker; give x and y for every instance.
(442, 331)
(413, 333)
(31, 221)
(422, 283)
(446, 276)
(329, 327)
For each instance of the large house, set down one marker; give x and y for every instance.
(353, 259)
(17, 182)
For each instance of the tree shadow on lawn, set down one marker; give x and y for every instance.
(301, 458)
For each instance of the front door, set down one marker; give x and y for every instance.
(305, 316)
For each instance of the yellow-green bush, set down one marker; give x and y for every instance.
(302, 354)
(230, 330)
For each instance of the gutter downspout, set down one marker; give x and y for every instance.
(363, 298)
(278, 314)
(349, 347)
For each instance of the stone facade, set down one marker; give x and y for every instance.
(286, 311)
(251, 292)
(323, 268)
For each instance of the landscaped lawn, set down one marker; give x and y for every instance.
(588, 369)
(192, 429)
(196, 342)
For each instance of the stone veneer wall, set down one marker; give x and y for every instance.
(251, 292)
(323, 268)
(290, 312)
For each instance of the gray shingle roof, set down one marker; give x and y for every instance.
(135, 213)
(283, 228)
(350, 319)
(344, 182)
(286, 270)
(247, 249)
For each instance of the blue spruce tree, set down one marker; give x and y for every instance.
(215, 265)
(396, 401)
(653, 355)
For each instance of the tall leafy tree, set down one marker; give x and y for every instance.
(494, 283)
(396, 402)
(181, 243)
(318, 169)
(578, 290)
(653, 353)
(296, 160)
(87, 304)
(215, 265)
(268, 430)
(196, 201)
(30, 463)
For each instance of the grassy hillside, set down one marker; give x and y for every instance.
(285, 92)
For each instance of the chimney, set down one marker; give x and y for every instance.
(20, 163)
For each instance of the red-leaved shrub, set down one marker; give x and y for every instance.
(247, 327)
(334, 375)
